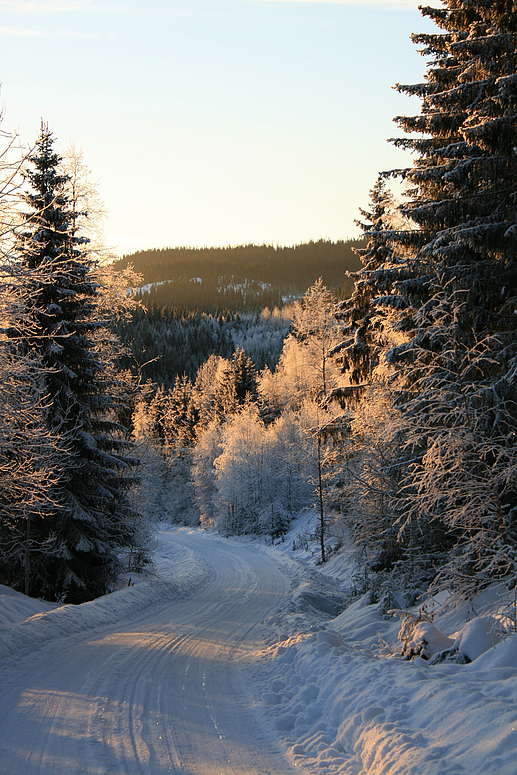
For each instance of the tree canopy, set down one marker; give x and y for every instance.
(434, 306)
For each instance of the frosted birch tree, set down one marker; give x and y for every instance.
(315, 329)
(240, 473)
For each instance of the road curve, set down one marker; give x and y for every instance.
(159, 694)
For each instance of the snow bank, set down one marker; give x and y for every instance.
(344, 702)
(178, 572)
(15, 607)
(476, 637)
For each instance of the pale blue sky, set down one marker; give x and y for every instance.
(212, 122)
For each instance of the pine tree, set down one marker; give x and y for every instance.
(29, 456)
(91, 523)
(180, 417)
(359, 350)
(445, 285)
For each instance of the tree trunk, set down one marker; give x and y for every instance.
(320, 489)
(27, 554)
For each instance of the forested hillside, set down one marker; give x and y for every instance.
(202, 301)
(241, 277)
(165, 342)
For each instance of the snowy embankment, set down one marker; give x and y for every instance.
(178, 571)
(345, 703)
(329, 681)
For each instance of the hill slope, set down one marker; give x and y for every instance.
(242, 276)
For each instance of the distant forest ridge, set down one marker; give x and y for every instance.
(241, 276)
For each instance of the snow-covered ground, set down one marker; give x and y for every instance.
(345, 702)
(235, 658)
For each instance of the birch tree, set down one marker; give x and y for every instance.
(315, 328)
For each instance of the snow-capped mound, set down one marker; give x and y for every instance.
(15, 607)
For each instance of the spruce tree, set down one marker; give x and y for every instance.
(237, 385)
(91, 523)
(358, 351)
(180, 417)
(444, 283)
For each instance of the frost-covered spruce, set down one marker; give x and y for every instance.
(78, 542)
(437, 297)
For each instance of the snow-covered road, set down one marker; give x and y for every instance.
(235, 659)
(158, 691)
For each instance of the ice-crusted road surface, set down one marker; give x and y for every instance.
(156, 691)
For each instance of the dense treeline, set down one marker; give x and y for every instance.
(201, 301)
(241, 277)
(237, 447)
(161, 344)
(226, 294)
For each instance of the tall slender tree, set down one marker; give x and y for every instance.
(314, 327)
(29, 457)
(92, 521)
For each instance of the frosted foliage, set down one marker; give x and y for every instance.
(313, 314)
(316, 329)
(207, 449)
(142, 424)
(30, 455)
(366, 470)
(165, 490)
(208, 381)
(114, 301)
(240, 471)
(28, 450)
(298, 376)
(261, 337)
(149, 496)
(291, 381)
(86, 202)
(433, 311)
(252, 478)
(12, 160)
(466, 474)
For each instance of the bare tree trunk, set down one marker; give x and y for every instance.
(320, 489)
(27, 554)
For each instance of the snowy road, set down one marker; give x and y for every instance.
(159, 692)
